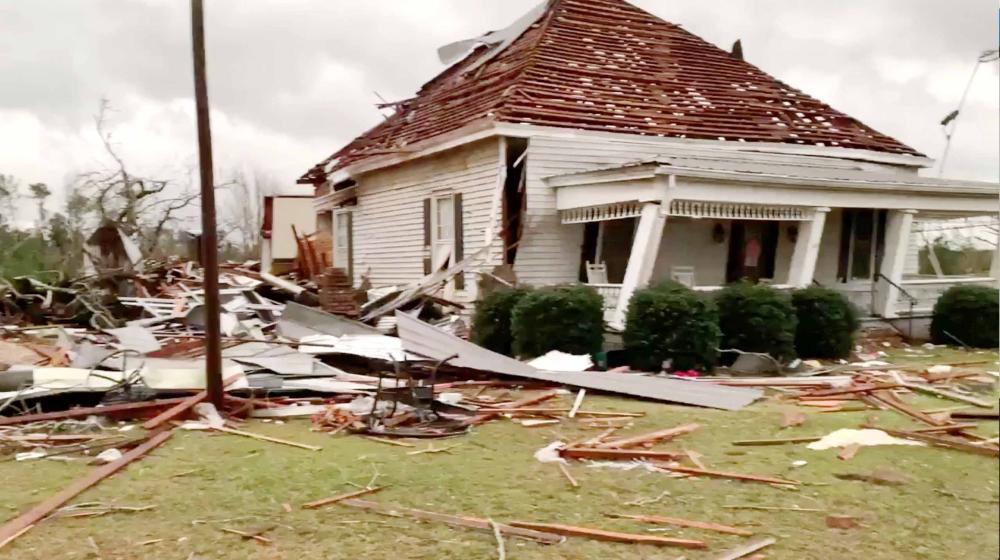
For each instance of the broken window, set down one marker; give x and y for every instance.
(343, 237)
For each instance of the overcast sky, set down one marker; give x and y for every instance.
(290, 81)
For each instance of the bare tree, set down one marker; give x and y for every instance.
(40, 192)
(140, 206)
(243, 210)
(8, 195)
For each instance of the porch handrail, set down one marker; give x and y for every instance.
(912, 299)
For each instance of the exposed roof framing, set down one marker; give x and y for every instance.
(607, 65)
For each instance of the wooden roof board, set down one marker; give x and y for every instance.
(567, 68)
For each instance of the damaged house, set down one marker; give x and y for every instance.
(593, 142)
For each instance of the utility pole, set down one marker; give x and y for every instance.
(209, 244)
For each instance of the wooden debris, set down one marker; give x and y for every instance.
(678, 522)
(889, 400)
(610, 536)
(431, 449)
(881, 477)
(848, 452)
(89, 411)
(21, 524)
(617, 454)
(262, 437)
(569, 477)
(695, 458)
(534, 423)
(455, 520)
(792, 418)
(779, 441)
(841, 522)
(722, 474)
(940, 441)
(951, 395)
(747, 549)
(246, 535)
(390, 441)
(341, 497)
(183, 407)
(652, 437)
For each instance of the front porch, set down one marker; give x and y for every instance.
(638, 230)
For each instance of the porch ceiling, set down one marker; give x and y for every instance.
(743, 182)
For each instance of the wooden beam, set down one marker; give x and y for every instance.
(892, 402)
(618, 454)
(939, 441)
(746, 549)
(341, 497)
(679, 522)
(19, 525)
(262, 437)
(89, 411)
(660, 435)
(183, 406)
(723, 474)
(779, 441)
(609, 536)
(454, 520)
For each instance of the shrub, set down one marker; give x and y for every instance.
(826, 323)
(565, 318)
(671, 322)
(757, 318)
(968, 313)
(491, 322)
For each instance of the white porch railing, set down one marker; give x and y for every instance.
(609, 292)
(926, 291)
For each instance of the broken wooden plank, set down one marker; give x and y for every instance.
(848, 452)
(262, 437)
(454, 520)
(19, 525)
(576, 404)
(341, 497)
(660, 435)
(723, 474)
(976, 415)
(182, 407)
(679, 522)
(569, 477)
(951, 395)
(490, 414)
(939, 441)
(618, 454)
(746, 549)
(89, 411)
(778, 441)
(247, 535)
(891, 401)
(609, 536)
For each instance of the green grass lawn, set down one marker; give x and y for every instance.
(202, 482)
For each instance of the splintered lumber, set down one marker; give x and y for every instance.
(976, 415)
(898, 405)
(948, 428)
(618, 454)
(454, 520)
(940, 441)
(848, 452)
(746, 549)
(485, 416)
(182, 407)
(576, 404)
(945, 394)
(89, 411)
(723, 474)
(661, 435)
(610, 536)
(679, 522)
(779, 441)
(569, 477)
(19, 525)
(341, 497)
(247, 535)
(267, 438)
(854, 389)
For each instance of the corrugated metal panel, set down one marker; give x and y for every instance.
(420, 338)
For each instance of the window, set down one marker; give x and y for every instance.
(444, 219)
(342, 241)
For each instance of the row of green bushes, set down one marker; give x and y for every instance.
(672, 322)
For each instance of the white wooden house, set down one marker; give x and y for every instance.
(593, 142)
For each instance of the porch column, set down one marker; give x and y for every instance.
(897, 240)
(645, 246)
(803, 267)
(995, 264)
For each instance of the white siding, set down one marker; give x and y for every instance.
(388, 220)
(288, 212)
